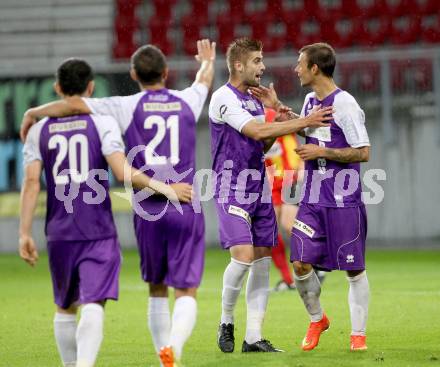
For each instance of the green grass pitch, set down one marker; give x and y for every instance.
(403, 327)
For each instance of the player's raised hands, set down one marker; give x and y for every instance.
(319, 116)
(269, 97)
(180, 192)
(205, 50)
(206, 57)
(27, 250)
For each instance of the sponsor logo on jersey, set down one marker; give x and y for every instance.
(68, 126)
(320, 133)
(158, 97)
(223, 109)
(162, 107)
(250, 105)
(304, 228)
(235, 210)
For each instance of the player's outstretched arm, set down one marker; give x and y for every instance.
(309, 152)
(28, 201)
(125, 173)
(261, 132)
(65, 107)
(206, 57)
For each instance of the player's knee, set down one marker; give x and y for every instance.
(260, 252)
(244, 254)
(181, 292)
(354, 273)
(71, 310)
(301, 268)
(158, 290)
(244, 258)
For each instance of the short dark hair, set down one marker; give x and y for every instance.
(73, 76)
(239, 48)
(321, 54)
(149, 63)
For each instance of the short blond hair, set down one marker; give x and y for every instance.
(238, 50)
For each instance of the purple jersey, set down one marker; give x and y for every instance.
(326, 182)
(72, 151)
(232, 151)
(159, 127)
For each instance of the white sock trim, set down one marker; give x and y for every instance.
(303, 277)
(64, 317)
(158, 304)
(240, 262)
(92, 307)
(357, 277)
(261, 259)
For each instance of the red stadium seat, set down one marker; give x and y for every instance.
(375, 31)
(425, 7)
(123, 50)
(350, 9)
(405, 30)
(328, 30)
(273, 43)
(347, 31)
(330, 9)
(397, 68)
(275, 7)
(363, 76)
(309, 32)
(191, 33)
(293, 29)
(237, 10)
(369, 76)
(411, 76)
(373, 8)
(163, 9)
(400, 8)
(342, 23)
(270, 12)
(259, 23)
(312, 8)
(199, 10)
(226, 31)
(159, 35)
(293, 18)
(423, 76)
(126, 7)
(126, 24)
(430, 28)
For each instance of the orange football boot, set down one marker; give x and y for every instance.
(315, 330)
(358, 342)
(166, 356)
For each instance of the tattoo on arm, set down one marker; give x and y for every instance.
(347, 155)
